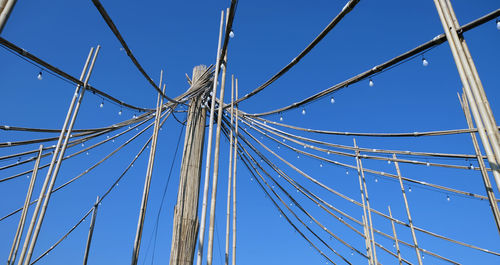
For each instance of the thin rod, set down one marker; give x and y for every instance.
(22, 220)
(410, 221)
(365, 188)
(201, 239)
(235, 153)
(54, 156)
(211, 228)
(396, 241)
(365, 225)
(486, 132)
(59, 160)
(229, 176)
(91, 231)
(6, 7)
(147, 181)
(482, 166)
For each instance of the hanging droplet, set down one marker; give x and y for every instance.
(393, 245)
(135, 116)
(352, 253)
(281, 118)
(120, 112)
(471, 166)
(27, 176)
(40, 77)
(427, 164)
(388, 161)
(298, 156)
(101, 105)
(332, 100)
(231, 34)
(498, 24)
(448, 197)
(320, 164)
(376, 179)
(370, 83)
(424, 62)
(303, 111)
(409, 189)
(83, 144)
(87, 153)
(251, 179)
(347, 172)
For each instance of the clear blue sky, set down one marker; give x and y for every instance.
(268, 34)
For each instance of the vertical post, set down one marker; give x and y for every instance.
(149, 174)
(367, 240)
(362, 183)
(235, 157)
(396, 241)
(22, 220)
(186, 224)
(215, 176)
(229, 177)
(410, 221)
(483, 117)
(199, 254)
(486, 179)
(51, 176)
(91, 231)
(6, 7)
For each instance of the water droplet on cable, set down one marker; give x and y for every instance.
(347, 172)
(231, 34)
(370, 83)
(471, 166)
(83, 144)
(281, 118)
(498, 24)
(376, 179)
(303, 111)
(101, 105)
(448, 197)
(409, 189)
(388, 161)
(332, 100)
(120, 112)
(427, 164)
(40, 77)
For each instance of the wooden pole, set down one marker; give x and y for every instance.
(57, 156)
(199, 254)
(186, 222)
(235, 157)
(396, 242)
(364, 189)
(149, 174)
(486, 179)
(213, 200)
(229, 177)
(91, 231)
(484, 119)
(410, 221)
(6, 7)
(22, 220)
(365, 230)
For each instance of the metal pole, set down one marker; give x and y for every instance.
(209, 150)
(22, 221)
(395, 236)
(211, 229)
(229, 177)
(149, 173)
(367, 235)
(410, 221)
(54, 157)
(366, 198)
(487, 131)
(482, 166)
(6, 7)
(235, 156)
(91, 231)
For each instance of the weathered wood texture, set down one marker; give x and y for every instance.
(186, 222)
